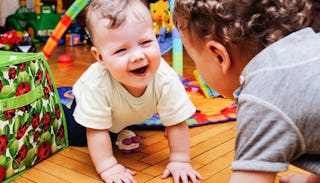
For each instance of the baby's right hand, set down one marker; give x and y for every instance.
(118, 173)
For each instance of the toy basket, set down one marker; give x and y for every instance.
(32, 122)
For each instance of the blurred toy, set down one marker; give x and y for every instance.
(161, 16)
(17, 41)
(177, 53)
(73, 39)
(164, 40)
(206, 90)
(128, 141)
(39, 23)
(62, 26)
(75, 29)
(8, 39)
(64, 59)
(168, 35)
(25, 45)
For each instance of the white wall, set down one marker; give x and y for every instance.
(7, 7)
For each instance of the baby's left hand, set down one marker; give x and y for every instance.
(181, 171)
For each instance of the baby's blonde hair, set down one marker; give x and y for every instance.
(115, 11)
(259, 22)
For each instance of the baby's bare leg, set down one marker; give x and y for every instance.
(300, 178)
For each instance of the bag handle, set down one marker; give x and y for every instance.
(22, 100)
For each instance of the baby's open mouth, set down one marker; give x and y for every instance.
(140, 70)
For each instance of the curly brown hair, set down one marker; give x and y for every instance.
(261, 22)
(316, 15)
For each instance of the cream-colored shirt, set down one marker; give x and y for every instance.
(103, 103)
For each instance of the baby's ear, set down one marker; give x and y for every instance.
(220, 53)
(95, 52)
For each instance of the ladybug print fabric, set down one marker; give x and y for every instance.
(32, 123)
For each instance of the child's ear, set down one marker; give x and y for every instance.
(220, 53)
(95, 52)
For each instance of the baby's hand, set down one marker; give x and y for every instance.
(118, 174)
(181, 171)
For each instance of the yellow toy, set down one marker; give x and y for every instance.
(161, 16)
(37, 5)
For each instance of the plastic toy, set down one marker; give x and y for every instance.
(17, 41)
(161, 16)
(168, 35)
(64, 59)
(206, 90)
(128, 141)
(177, 53)
(38, 24)
(8, 39)
(62, 26)
(25, 45)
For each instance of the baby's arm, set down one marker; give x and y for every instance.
(179, 144)
(251, 176)
(100, 149)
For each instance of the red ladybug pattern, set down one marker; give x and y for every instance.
(57, 111)
(46, 120)
(22, 66)
(46, 92)
(44, 151)
(22, 130)
(36, 136)
(23, 88)
(35, 120)
(12, 73)
(60, 133)
(2, 173)
(38, 77)
(3, 143)
(34, 129)
(22, 153)
(9, 113)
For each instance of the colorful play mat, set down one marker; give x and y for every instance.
(199, 118)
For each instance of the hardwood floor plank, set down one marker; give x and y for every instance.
(38, 175)
(210, 132)
(217, 165)
(155, 147)
(215, 153)
(157, 157)
(74, 165)
(219, 177)
(73, 153)
(211, 143)
(63, 173)
(22, 179)
(156, 137)
(156, 169)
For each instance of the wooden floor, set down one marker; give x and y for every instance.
(211, 145)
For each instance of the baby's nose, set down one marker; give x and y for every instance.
(137, 56)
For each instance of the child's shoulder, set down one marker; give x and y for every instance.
(94, 75)
(166, 76)
(165, 70)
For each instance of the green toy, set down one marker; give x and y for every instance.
(39, 25)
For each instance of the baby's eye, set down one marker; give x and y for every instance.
(146, 42)
(120, 51)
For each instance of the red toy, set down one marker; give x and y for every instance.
(8, 39)
(64, 59)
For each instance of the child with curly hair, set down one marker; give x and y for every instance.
(263, 55)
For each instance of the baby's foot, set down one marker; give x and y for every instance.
(300, 178)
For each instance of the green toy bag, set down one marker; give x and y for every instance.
(32, 122)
